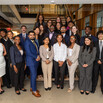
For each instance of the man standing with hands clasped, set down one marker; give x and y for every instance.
(98, 64)
(32, 60)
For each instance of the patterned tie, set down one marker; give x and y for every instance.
(100, 47)
(35, 45)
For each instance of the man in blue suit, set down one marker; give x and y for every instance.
(88, 33)
(32, 60)
(23, 36)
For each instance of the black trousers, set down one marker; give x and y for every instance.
(59, 73)
(19, 77)
(98, 69)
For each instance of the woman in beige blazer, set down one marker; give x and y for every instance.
(72, 60)
(46, 54)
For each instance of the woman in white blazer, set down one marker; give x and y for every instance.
(72, 60)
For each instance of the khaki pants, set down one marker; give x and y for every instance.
(47, 74)
(72, 70)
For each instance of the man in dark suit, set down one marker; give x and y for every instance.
(88, 33)
(32, 60)
(52, 35)
(98, 64)
(66, 37)
(6, 77)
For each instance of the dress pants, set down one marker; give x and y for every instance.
(19, 77)
(85, 80)
(59, 72)
(98, 68)
(47, 74)
(72, 70)
(33, 75)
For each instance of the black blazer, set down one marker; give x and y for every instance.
(9, 44)
(53, 39)
(15, 55)
(98, 52)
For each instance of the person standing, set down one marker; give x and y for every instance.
(72, 60)
(2, 65)
(98, 64)
(10, 43)
(18, 64)
(32, 60)
(6, 77)
(46, 54)
(86, 58)
(60, 55)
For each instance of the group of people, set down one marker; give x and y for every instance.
(51, 49)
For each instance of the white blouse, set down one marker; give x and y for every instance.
(21, 52)
(70, 51)
(60, 52)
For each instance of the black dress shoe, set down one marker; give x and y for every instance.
(82, 92)
(102, 91)
(24, 90)
(62, 87)
(49, 88)
(2, 92)
(46, 89)
(86, 93)
(18, 93)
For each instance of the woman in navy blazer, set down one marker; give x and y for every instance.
(17, 60)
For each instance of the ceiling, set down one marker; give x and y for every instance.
(49, 1)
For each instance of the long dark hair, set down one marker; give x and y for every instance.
(70, 41)
(91, 44)
(42, 17)
(66, 23)
(49, 42)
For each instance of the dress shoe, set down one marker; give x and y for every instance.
(18, 93)
(81, 92)
(23, 89)
(102, 91)
(36, 90)
(36, 94)
(46, 89)
(2, 92)
(87, 93)
(62, 87)
(49, 88)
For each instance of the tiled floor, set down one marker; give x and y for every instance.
(53, 96)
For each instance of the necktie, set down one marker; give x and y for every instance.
(35, 45)
(100, 47)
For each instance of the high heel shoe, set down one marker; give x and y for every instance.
(82, 92)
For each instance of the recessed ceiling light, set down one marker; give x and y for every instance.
(52, 1)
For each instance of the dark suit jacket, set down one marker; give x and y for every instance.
(31, 52)
(93, 38)
(53, 39)
(9, 44)
(22, 41)
(6, 46)
(15, 55)
(98, 52)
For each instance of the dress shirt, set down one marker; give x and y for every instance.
(60, 52)
(50, 35)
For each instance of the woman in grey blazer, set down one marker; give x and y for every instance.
(86, 58)
(72, 60)
(46, 54)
